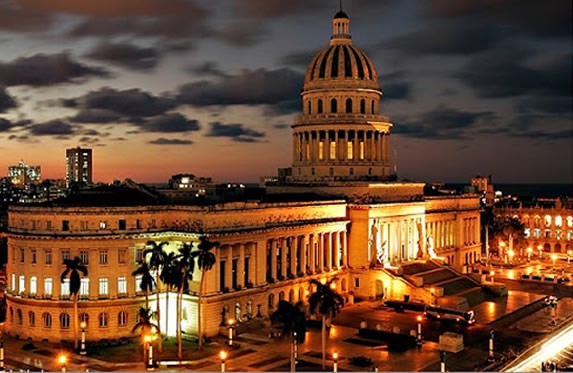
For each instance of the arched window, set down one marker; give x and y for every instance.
(271, 301)
(19, 317)
(309, 107)
(349, 105)
(103, 320)
(281, 296)
(558, 221)
(320, 108)
(372, 109)
(363, 106)
(84, 317)
(291, 296)
(547, 220)
(64, 321)
(31, 318)
(333, 106)
(300, 294)
(47, 320)
(122, 318)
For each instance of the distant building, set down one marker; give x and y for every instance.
(23, 174)
(484, 186)
(78, 166)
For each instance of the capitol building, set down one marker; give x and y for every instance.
(337, 212)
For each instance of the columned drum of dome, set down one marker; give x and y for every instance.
(340, 134)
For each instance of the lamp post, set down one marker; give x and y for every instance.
(83, 344)
(223, 356)
(419, 334)
(529, 251)
(335, 362)
(442, 361)
(490, 356)
(511, 254)
(491, 275)
(62, 361)
(553, 259)
(149, 364)
(1, 354)
(231, 325)
(502, 250)
(294, 356)
(540, 249)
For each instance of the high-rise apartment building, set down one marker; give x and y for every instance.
(23, 174)
(78, 166)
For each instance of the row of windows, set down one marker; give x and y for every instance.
(64, 319)
(84, 225)
(103, 286)
(547, 221)
(332, 151)
(347, 109)
(547, 233)
(84, 255)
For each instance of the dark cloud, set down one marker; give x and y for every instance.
(96, 116)
(450, 37)
(125, 55)
(249, 87)
(169, 123)
(395, 86)
(164, 141)
(46, 70)
(504, 73)
(240, 34)
(299, 59)
(88, 140)
(545, 104)
(237, 132)
(544, 19)
(282, 126)
(55, 127)
(208, 68)
(6, 101)
(443, 123)
(5, 125)
(129, 104)
(17, 20)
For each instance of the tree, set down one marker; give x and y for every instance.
(205, 261)
(185, 265)
(156, 261)
(292, 317)
(171, 278)
(147, 281)
(326, 302)
(501, 228)
(145, 326)
(74, 269)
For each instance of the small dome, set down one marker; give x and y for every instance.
(340, 14)
(341, 63)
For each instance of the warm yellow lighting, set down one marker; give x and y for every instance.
(491, 273)
(419, 318)
(62, 359)
(501, 244)
(335, 355)
(569, 252)
(230, 322)
(147, 338)
(333, 286)
(554, 257)
(323, 281)
(83, 325)
(511, 253)
(539, 247)
(306, 293)
(223, 355)
(529, 250)
(332, 332)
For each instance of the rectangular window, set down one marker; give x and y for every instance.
(138, 223)
(85, 257)
(48, 255)
(138, 255)
(65, 255)
(307, 151)
(122, 256)
(84, 287)
(361, 149)
(22, 256)
(33, 285)
(103, 287)
(350, 146)
(103, 257)
(332, 150)
(121, 285)
(48, 225)
(22, 284)
(321, 150)
(102, 224)
(65, 288)
(48, 286)
(356, 282)
(138, 279)
(152, 224)
(536, 232)
(121, 224)
(84, 225)
(33, 256)
(13, 287)
(65, 225)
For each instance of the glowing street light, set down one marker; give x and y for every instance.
(490, 356)
(62, 361)
(492, 274)
(335, 362)
(540, 249)
(223, 356)
(529, 251)
(554, 259)
(83, 344)
(569, 253)
(511, 254)
(2, 354)
(231, 324)
(419, 334)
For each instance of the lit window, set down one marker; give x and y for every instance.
(307, 151)
(84, 317)
(321, 150)
(547, 220)
(33, 285)
(558, 221)
(121, 285)
(103, 257)
(47, 320)
(332, 150)
(13, 287)
(64, 321)
(85, 287)
(103, 320)
(65, 288)
(103, 286)
(65, 255)
(48, 286)
(22, 284)
(361, 149)
(350, 146)
(122, 256)
(536, 232)
(102, 225)
(122, 318)
(138, 279)
(527, 232)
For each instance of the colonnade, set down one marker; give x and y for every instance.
(279, 258)
(442, 233)
(341, 145)
(395, 240)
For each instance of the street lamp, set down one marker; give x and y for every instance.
(419, 334)
(569, 253)
(553, 259)
(501, 249)
(223, 356)
(492, 274)
(540, 249)
(62, 361)
(529, 251)
(83, 344)
(1, 354)
(335, 362)
(511, 254)
(231, 324)
(442, 361)
(490, 356)
(149, 346)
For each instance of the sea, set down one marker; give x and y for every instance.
(526, 190)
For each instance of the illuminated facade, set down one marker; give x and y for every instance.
(23, 174)
(78, 166)
(350, 223)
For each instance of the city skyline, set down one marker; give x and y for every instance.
(158, 88)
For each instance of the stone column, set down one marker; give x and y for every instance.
(294, 146)
(293, 254)
(302, 245)
(252, 262)
(336, 247)
(328, 250)
(229, 268)
(344, 249)
(311, 253)
(320, 241)
(241, 266)
(283, 257)
(273, 248)
(356, 146)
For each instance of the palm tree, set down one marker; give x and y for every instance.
(185, 266)
(73, 269)
(205, 261)
(156, 262)
(326, 302)
(170, 277)
(292, 317)
(147, 281)
(145, 325)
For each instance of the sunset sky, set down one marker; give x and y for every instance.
(210, 87)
